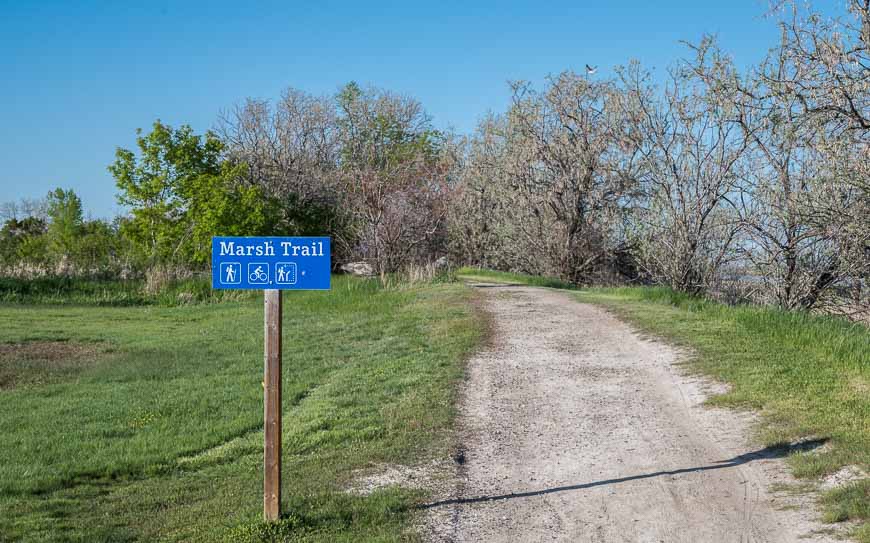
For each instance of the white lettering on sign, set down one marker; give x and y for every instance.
(315, 249)
(266, 248)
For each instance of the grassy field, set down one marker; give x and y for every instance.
(145, 422)
(806, 375)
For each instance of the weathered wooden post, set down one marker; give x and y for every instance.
(272, 406)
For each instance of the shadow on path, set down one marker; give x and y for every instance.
(774, 451)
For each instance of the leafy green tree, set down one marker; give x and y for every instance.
(181, 191)
(101, 248)
(65, 223)
(219, 205)
(23, 240)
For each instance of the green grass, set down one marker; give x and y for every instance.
(480, 274)
(806, 375)
(65, 290)
(158, 437)
(60, 290)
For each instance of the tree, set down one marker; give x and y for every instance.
(565, 163)
(689, 156)
(476, 216)
(9, 211)
(547, 186)
(23, 241)
(218, 205)
(801, 209)
(831, 61)
(829, 78)
(65, 223)
(291, 149)
(102, 250)
(23, 208)
(181, 191)
(22, 237)
(395, 168)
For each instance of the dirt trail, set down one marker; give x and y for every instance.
(573, 428)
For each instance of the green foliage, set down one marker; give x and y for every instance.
(66, 220)
(298, 218)
(23, 241)
(220, 206)
(91, 247)
(181, 193)
(101, 247)
(851, 502)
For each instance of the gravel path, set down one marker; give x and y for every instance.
(573, 428)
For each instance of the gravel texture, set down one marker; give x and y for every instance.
(574, 428)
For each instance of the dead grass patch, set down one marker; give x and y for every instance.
(41, 362)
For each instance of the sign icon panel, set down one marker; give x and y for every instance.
(258, 273)
(285, 273)
(231, 273)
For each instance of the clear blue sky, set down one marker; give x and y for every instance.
(77, 78)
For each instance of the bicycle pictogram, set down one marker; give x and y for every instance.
(258, 273)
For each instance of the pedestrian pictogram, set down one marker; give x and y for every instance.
(285, 273)
(231, 273)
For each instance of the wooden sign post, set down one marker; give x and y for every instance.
(271, 264)
(272, 406)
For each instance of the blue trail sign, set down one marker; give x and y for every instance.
(271, 265)
(279, 263)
